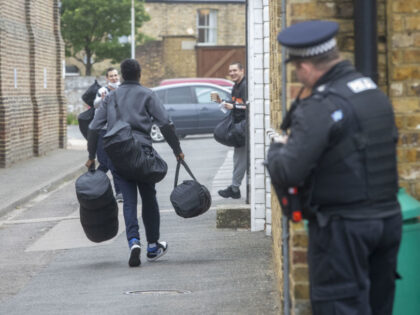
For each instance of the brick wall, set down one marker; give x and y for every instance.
(16, 114)
(173, 56)
(404, 77)
(179, 56)
(181, 19)
(399, 76)
(31, 116)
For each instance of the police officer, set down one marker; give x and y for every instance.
(342, 149)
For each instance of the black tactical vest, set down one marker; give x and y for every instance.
(360, 164)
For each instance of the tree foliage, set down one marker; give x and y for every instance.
(92, 29)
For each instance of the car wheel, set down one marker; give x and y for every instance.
(155, 134)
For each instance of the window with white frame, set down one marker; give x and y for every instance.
(207, 26)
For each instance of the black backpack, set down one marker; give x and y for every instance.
(98, 207)
(189, 199)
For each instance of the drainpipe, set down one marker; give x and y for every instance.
(366, 38)
(284, 221)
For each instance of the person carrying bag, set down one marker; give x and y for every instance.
(131, 159)
(130, 111)
(189, 199)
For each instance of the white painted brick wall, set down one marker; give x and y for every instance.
(260, 211)
(259, 136)
(258, 29)
(258, 4)
(258, 106)
(258, 16)
(259, 166)
(259, 96)
(260, 181)
(260, 225)
(268, 213)
(259, 151)
(259, 62)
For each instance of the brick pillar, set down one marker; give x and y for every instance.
(403, 42)
(15, 101)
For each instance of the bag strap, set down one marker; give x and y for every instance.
(118, 116)
(178, 166)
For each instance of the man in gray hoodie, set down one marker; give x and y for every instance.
(137, 106)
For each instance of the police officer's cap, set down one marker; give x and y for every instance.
(308, 39)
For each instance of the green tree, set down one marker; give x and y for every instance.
(92, 30)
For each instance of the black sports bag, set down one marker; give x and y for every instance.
(90, 94)
(86, 117)
(84, 120)
(189, 199)
(229, 133)
(98, 207)
(132, 159)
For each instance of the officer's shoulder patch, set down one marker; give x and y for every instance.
(337, 115)
(361, 84)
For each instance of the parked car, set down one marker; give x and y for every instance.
(218, 81)
(190, 108)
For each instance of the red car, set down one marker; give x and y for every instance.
(218, 81)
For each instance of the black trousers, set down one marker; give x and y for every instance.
(352, 265)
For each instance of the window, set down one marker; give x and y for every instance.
(179, 96)
(207, 26)
(161, 95)
(203, 94)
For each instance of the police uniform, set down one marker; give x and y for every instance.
(342, 149)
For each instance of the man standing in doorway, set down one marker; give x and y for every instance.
(238, 105)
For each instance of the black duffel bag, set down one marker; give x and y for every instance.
(90, 94)
(98, 207)
(189, 199)
(86, 117)
(229, 133)
(84, 120)
(132, 160)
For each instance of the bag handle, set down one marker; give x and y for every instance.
(178, 166)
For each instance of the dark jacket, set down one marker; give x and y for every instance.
(319, 124)
(141, 108)
(239, 99)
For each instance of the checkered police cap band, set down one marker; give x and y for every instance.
(312, 51)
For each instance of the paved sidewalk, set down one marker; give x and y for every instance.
(25, 180)
(207, 270)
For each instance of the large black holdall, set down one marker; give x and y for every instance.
(98, 207)
(189, 199)
(86, 117)
(84, 120)
(229, 133)
(90, 94)
(132, 160)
